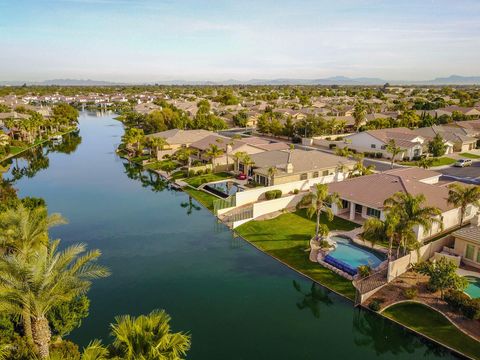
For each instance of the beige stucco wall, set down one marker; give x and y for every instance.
(460, 249)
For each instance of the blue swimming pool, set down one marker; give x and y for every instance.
(354, 255)
(473, 288)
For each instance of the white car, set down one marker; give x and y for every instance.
(463, 163)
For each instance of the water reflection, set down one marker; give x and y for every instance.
(148, 179)
(30, 162)
(313, 299)
(190, 206)
(383, 337)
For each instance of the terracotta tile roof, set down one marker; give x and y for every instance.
(471, 233)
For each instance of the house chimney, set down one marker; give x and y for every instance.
(289, 167)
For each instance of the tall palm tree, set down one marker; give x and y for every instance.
(24, 230)
(394, 150)
(272, 171)
(461, 196)
(317, 202)
(239, 155)
(48, 278)
(148, 337)
(411, 212)
(376, 230)
(95, 351)
(157, 143)
(214, 152)
(247, 163)
(359, 114)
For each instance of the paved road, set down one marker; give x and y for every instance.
(469, 174)
(379, 165)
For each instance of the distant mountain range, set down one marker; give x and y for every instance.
(335, 80)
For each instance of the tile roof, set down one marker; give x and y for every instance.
(471, 233)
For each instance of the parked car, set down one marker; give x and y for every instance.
(242, 176)
(463, 163)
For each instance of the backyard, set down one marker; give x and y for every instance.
(196, 181)
(286, 238)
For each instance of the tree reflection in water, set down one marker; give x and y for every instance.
(148, 179)
(314, 298)
(190, 205)
(384, 336)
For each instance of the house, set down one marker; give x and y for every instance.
(453, 137)
(471, 127)
(467, 111)
(377, 141)
(295, 165)
(363, 197)
(467, 242)
(177, 138)
(227, 145)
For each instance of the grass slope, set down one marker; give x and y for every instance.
(470, 156)
(433, 324)
(202, 197)
(196, 181)
(287, 236)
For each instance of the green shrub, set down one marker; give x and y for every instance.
(410, 293)
(199, 172)
(328, 138)
(269, 195)
(378, 155)
(375, 304)
(278, 194)
(296, 191)
(324, 244)
(332, 146)
(456, 299)
(191, 173)
(364, 270)
(65, 350)
(472, 309)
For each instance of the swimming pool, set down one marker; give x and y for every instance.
(473, 288)
(224, 188)
(354, 255)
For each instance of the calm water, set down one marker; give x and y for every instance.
(354, 255)
(166, 252)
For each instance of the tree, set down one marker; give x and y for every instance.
(376, 230)
(157, 143)
(394, 150)
(49, 278)
(345, 151)
(239, 155)
(247, 163)
(411, 212)
(148, 337)
(133, 137)
(317, 201)
(462, 196)
(442, 275)
(272, 171)
(359, 169)
(437, 146)
(68, 315)
(359, 114)
(425, 163)
(214, 152)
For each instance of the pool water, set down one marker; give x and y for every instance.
(353, 255)
(224, 188)
(473, 288)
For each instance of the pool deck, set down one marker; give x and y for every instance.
(354, 235)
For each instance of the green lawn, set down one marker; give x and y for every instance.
(287, 236)
(441, 161)
(470, 156)
(196, 181)
(202, 197)
(433, 324)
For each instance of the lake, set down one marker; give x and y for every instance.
(167, 252)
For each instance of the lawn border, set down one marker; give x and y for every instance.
(422, 334)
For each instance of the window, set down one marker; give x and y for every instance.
(373, 212)
(325, 173)
(373, 146)
(383, 147)
(478, 256)
(315, 174)
(345, 204)
(303, 176)
(469, 252)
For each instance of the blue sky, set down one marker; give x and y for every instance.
(147, 40)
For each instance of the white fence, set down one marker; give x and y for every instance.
(403, 264)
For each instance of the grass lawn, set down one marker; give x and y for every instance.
(441, 161)
(196, 181)
(287, 236)
(202, 197)
(433, 324)
(470, 156)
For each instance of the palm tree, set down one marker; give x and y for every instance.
(148, 337)
(239, 155)
(461, 196)
(425, 163)
(157, 143)
(247, 163)
(359, 114)
(24, 230)
(376, 230)
(317, 201)
(359, 169)
(394, 150)
(214, 152)
(48, 278)
(345, 152)
(272, 171)
(410, 212)
(95, 351)
(133, 136)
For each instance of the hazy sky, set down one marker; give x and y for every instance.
(147, 40)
